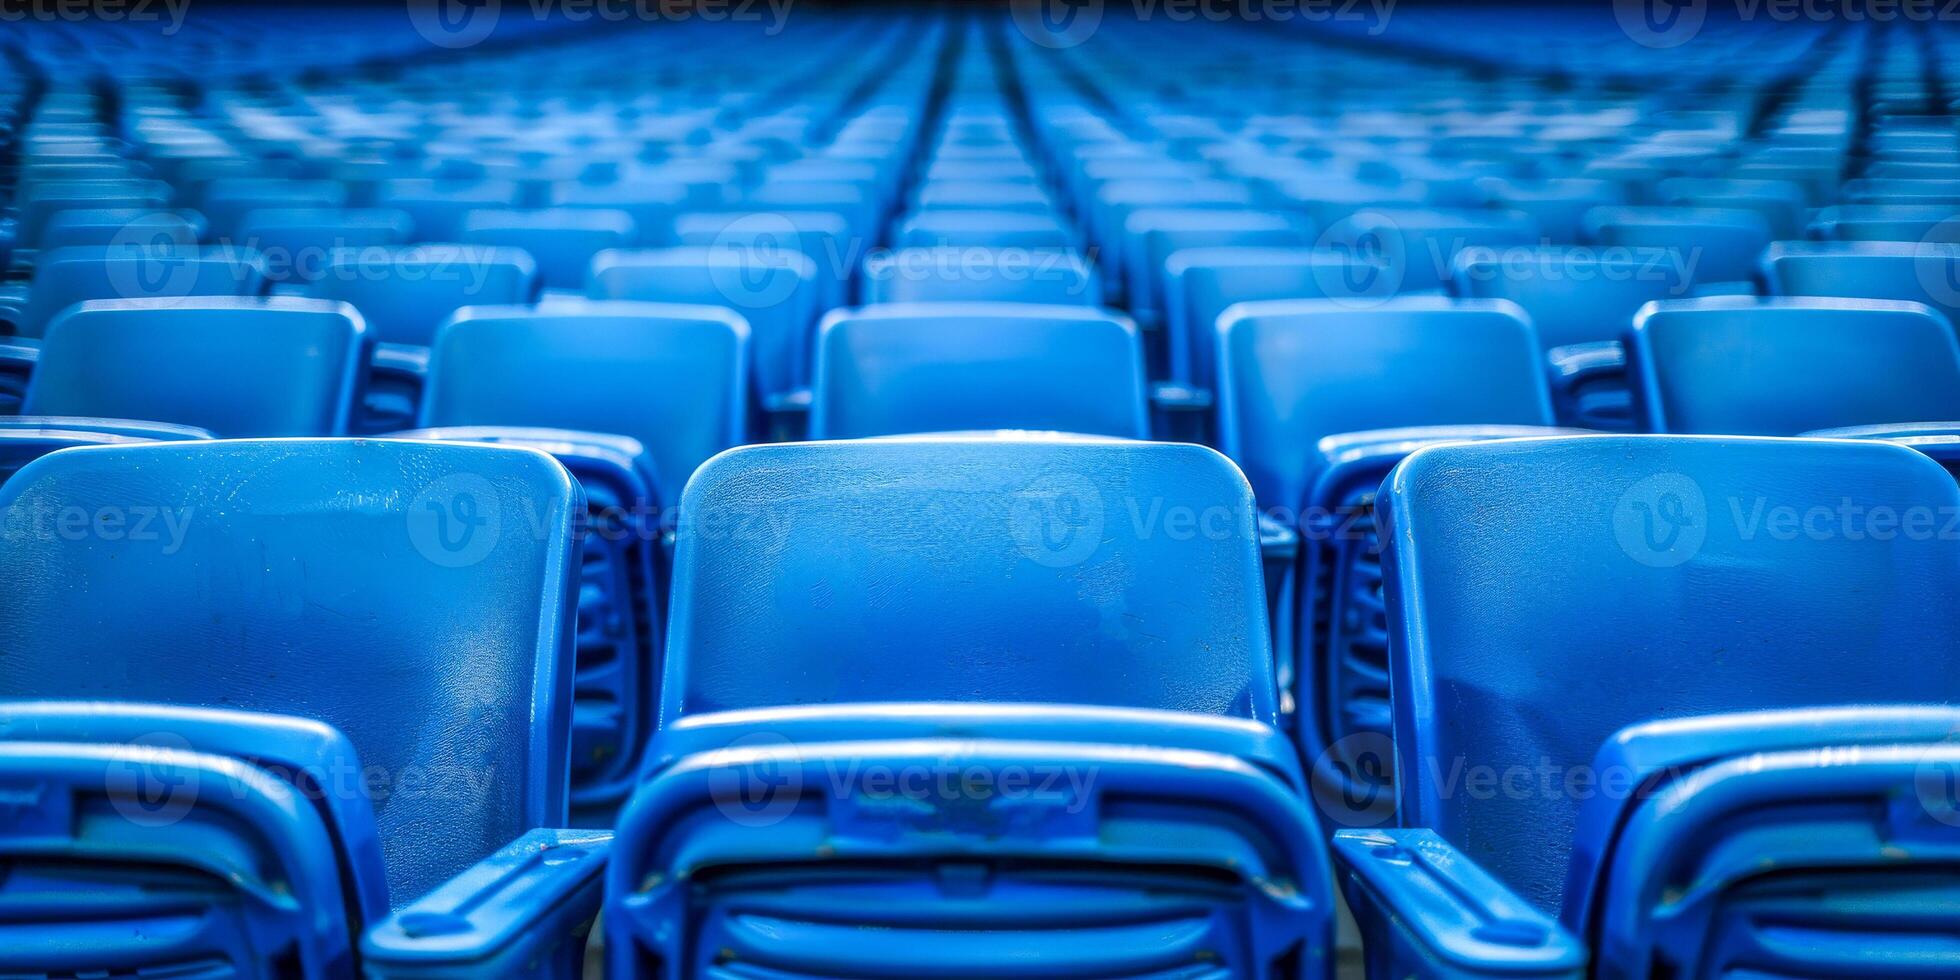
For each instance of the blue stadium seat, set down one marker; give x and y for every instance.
(25, 438)
(984, 195)
(1362, 388)
(1739, 366)
(562, 241)
(672, 377)
(822, 236)
(298, 243)
(105, 227)
(1918, 272)
(774, 291)
(226, 203)
(64, 277)
(1931, 223)
(41, 202)
(949, 367)
(1582, 303)
(961, 228)
(1001, 275)
(622, 599)
(1202, 282)
(997, 662)
(1416, 247)
(1783, 204)
(1557, 205)
(404, 294)
(437, 207)
(242, 830)
(1940, 440)
(1719, 246)
(1510, 556)
(392, 590)
(237, 367)
(1157, 234)
(651, 205)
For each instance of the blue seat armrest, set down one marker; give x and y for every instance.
(1176, 396)
(786, 415)
(1279, 547)
(522, 912)
(1427, 910)
(1573, 363)
(401, 359)
(17, 359)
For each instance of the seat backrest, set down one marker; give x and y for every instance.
(1158, 233)
(1544, 593)
(1716, 245)
(1417, 245)
(1574, 295)
(1918, 272)
(1736, 366)
(972, 274)
(774, 290)
(103, 227)
(963, 228)
(404, 294)
(968, 569)
(1932, 223)
(237, 367)
(416, 596)
(25, 438)
(66, 276)
(673, 377)
(945, 367)
(1203, 282)
(438, 206)
(562, 241)
(1294, 372)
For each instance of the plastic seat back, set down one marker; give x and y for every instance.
(562, 241)
(793, 560)
(25, 438)
(1931, 223)
(1715, 245)
(1736, 366)
(1939, 440)
(1159, 233)
(1524, 579)
(673, 377)
(1204, 282)
(404, 294)
(394, 590)
(237, 367)
(999, 275)
(775, 291)
(1294, 372)
(64, 277)
(105, 227)
(976, 228)
(1917, 272)
(945, 367)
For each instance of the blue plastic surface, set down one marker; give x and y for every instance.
(562, 241)
(236, 367)
(1816, 842)
(672, 377)
(1511, 556)
(1201, 283)
(395, 590)
(24, 438)
(1733, 365)
(1294, 372)
(1427, 911)
(1712, 245)
(1917, 272)
(622, 604)
(951, 367)
(68, 276)
(775, 291)
(971, 274)
(959, 570)
(404, 294)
